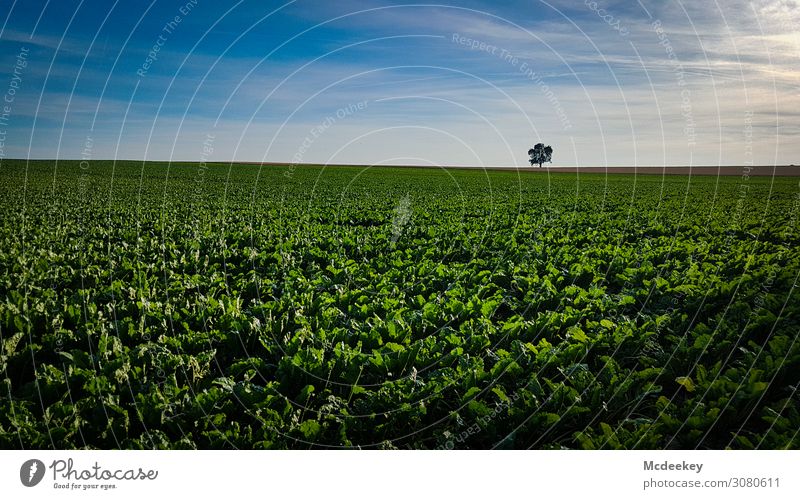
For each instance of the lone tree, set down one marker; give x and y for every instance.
(540, 154)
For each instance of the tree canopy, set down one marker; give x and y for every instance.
(540, 154)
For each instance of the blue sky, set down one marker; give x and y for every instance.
(378, 82)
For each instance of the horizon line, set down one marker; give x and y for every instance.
(378, 165)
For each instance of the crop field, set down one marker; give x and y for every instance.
(231, 306)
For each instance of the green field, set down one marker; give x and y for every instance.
(219, 306)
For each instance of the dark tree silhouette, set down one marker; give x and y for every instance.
(540, 154)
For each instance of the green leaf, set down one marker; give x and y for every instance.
(685, 382)
(577, 334)
(310, 429)
(470, 394)
(488, 308)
